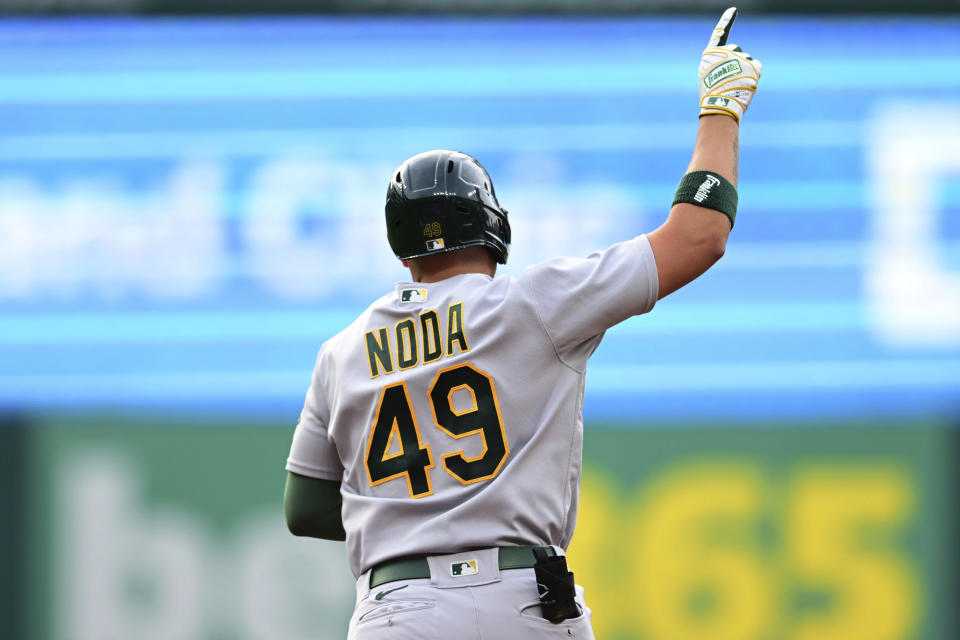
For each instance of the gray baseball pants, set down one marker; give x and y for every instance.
(467, 597)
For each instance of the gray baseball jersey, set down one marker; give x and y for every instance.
(451, 411)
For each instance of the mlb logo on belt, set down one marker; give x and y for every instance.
(465, 568)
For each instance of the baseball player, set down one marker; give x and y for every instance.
(441, 435)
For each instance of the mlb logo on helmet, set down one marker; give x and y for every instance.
(434, 245)
(467, 568)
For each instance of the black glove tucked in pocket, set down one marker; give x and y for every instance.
(556, 586)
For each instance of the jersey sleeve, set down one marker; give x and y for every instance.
(577, 299)
(312, 453)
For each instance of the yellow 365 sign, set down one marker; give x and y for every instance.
(720, 549)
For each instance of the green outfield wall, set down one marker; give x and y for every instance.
(174, 530)
(801, 532)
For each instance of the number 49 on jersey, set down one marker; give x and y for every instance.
(396, 423)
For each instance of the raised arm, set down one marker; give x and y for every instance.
(695, 234)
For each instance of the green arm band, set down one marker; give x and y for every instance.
(312, 507)
(708, 189)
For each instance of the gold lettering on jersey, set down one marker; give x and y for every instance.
(406, 344)
(378, 352)
(413, 343)
(432, 341)
(455, 333)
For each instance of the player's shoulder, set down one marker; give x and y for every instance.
(636, 249)
(335, 342)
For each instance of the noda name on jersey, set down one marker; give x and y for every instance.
(414, 342)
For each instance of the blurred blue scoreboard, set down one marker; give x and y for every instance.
(188, 209)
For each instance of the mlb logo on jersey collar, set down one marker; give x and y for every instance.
(464, 568)
(413, 295)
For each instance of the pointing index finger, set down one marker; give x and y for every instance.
(722, 30)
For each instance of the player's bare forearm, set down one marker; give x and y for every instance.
(718, 147)
(693, 238)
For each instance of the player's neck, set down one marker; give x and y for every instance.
(455, 263)
(443, 274)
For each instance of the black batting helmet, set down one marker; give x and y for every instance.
(442, 201)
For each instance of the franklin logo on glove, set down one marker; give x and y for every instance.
(721, 72)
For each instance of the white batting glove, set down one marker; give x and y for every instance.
(728, 75)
